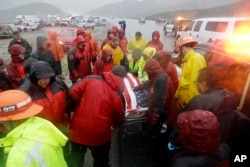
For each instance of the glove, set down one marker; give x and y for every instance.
(171, 147)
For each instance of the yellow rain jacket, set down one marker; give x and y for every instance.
(141, 44)
(117, 54)
(34, 143)
(191, 64)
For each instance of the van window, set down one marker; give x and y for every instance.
(197, 26)
(90, 21)
(242, 24)
(190, 25)
(216, 26)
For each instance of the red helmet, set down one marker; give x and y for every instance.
(16, 49)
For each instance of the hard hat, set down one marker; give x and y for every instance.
(16, 105)
(16, 49)
(185, 39)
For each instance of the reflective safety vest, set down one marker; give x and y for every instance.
(34, 143)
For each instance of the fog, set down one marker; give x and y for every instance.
(83, 6)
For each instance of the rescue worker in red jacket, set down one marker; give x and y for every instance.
(199, 141)
(156, 42)
(100, 107)
(162, 109)
(164, 58)
(79, 61)
(122, 41)
(81, 32)
(5, 82)
(103, 63)
(95, 50)
(50, 92)
(15, 68)
(110, 35)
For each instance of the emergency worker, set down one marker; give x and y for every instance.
(104, 63)
(95, 50)
(19, 40)
(91, 124)
(117, 54)
(15, 68)
(56, 49)
(156, 42)
(122, 41)
(42, 53)
(78, 61)
(50, 92)
(5, 82)
(31, 141)
(137, 42)
(192, 62)
(164, 58)
(110, 35)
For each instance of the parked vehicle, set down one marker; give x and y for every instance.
(160, 20)
(25, 18)
(66, 37)
(5, 31)
(86, 23)
(64, 23)
(98, 22)
(176, 27)
(205, 29)
(142, 20)
(27, 27)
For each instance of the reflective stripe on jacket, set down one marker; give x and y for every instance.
(34, 143)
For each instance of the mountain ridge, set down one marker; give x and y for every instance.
(42, 10)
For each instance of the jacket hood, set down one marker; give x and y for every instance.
(51, 33)
(88, 33)
(106, 53)
(40, 40)
(156, 33)
(149, 52)
(163, 57)
(198, 131)
(153, 68)
(79, 31)
(41, 69)
(120, 31)
(79, 39)
(115, 81)
(15, 50)
(38, 130)
(110, 31)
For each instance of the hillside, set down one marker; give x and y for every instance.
(134, 8)
(42, 10)
(235, 9)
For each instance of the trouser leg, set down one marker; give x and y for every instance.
(76, 155)
(101, 155)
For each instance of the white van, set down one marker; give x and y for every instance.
(86, 23)
(205, 29)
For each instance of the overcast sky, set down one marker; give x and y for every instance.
(72, 6)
